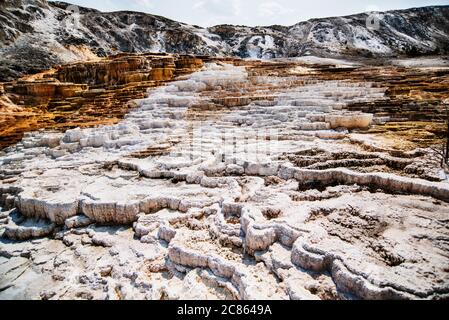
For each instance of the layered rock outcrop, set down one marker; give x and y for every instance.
(86, 94)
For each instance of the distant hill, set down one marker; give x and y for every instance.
(38, 34)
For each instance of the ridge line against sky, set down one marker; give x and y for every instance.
(208, 13)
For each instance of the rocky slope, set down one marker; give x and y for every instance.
(37, 34)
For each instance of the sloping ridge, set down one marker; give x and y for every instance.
(38, 34)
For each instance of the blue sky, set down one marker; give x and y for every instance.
(251, 12)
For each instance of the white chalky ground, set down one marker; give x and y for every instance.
(270, 200)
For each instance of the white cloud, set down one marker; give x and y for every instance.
(218, 7)
(144, 4)
(251, 12)
(215, 12)
(272, 9)
(372, 8)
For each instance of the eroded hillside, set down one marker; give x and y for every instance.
(37, 35)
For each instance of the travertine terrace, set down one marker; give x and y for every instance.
(228, 179)
(84, 94)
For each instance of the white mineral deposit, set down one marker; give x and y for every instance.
(305, 179)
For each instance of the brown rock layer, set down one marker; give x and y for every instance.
(85, 94)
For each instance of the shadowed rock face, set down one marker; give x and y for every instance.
(228, 182)
(39, 34)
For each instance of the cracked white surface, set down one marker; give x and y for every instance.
(251, 200)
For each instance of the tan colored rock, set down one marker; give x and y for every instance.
(350, 121)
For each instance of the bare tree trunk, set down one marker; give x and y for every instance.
(446, 149)
(446, 152)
